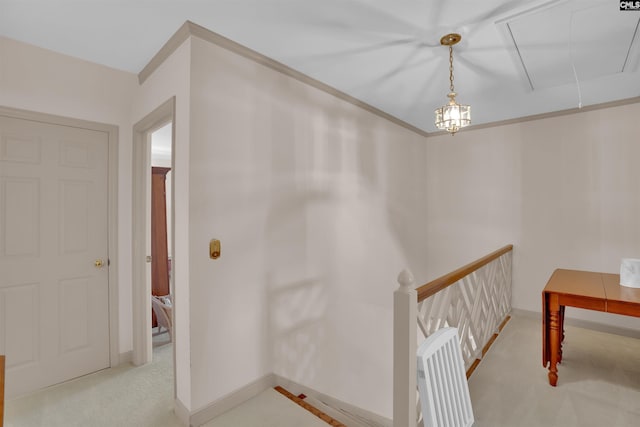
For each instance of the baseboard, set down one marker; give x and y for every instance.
(579, 323)
(181, 412)
(231, 400)
(235, 398)
(125, 357)
(297, 388)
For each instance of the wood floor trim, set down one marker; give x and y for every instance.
(315, 411)
(476, 362)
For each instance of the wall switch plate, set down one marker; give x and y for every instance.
(214, 249)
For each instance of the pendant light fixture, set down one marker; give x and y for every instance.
(453, 116)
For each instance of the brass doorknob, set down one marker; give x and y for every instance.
(98, 263)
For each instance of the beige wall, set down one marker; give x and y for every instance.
(565, 191)
(318, 205)
(40, 80)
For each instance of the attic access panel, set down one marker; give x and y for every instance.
(594, 37)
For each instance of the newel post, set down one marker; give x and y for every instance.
(405, 307)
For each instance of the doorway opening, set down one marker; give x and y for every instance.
(155, 126)
(161, 226)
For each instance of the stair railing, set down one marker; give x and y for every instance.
(475, 298)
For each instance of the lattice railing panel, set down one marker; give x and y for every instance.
(476, 304)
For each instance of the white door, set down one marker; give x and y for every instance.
(54, 312)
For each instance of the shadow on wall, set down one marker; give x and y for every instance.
(405, 195)
(343, 199)
(297, 312)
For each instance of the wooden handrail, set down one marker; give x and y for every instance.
(425, 291)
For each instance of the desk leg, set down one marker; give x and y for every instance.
(554, 338)
(561, 333)
(545, 329)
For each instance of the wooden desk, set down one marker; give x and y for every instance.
(581, 289)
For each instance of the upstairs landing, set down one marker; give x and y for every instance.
(268, 409)
(277, 407)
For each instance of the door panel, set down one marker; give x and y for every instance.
(21, 226)
(54, 312)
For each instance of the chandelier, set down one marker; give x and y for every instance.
(453, 116)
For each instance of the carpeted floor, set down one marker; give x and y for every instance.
(142, 396)
(268, 409)
(599, 385)
(123, 396)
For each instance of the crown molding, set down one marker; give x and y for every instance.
(542, 116)
(165, 52)
(189, 29)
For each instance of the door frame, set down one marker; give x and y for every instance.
(112, 214)
(141, 284)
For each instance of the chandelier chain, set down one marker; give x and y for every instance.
(451, 68)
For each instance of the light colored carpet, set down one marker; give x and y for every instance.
(129, 396)
(598, 383)
(268, 409)
(123, 396)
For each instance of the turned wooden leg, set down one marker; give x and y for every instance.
(561, 326)
(545, 329)
(554, 342)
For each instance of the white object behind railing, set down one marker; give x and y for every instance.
(476, 299)
(442, 381)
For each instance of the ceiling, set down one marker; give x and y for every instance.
(516, 58)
